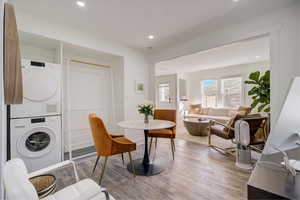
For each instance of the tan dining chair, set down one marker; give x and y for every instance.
(107, 145)
(170, 133)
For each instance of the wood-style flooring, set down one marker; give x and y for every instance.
(197, 173)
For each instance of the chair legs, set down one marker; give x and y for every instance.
(103, 170)
(122, 158)
(96, 164)
(105, 163)
(172, 147)
(155, 147)
(209, 138)
(150, 146)
(229, 150)
(132, 165)
(155, 143)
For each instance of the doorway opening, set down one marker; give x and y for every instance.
(212, 81)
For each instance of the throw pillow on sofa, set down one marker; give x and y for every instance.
(195, 109)
(246, 109)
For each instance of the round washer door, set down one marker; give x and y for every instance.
(39, 84)
(36, 142)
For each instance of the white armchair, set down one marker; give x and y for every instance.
(18, 186)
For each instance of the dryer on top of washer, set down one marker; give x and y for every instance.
(41, 90)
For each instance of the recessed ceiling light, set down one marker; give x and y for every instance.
(151, 37)
(235, 0)
(80, 4)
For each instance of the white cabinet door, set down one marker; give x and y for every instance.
(166, 92)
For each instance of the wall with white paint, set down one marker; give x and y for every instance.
(281, 25)
(32, 52)
(135, 62)
(194, 79)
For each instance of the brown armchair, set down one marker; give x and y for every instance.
(107, 144)
(257, 124)
(169, 115)
(226, 131)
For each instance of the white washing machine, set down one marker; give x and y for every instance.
(37, 141)
(41, 90)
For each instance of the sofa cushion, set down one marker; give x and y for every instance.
(218, 111)
(204, 111)
(195, 108)
(222, 119)
(85, 189)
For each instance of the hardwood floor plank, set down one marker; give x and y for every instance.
(198, 172)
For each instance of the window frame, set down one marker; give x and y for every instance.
(159, 94)
(240, 87)
(202, 92)
(219, 96)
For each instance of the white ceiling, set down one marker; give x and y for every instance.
(248, 51)
(130, 22)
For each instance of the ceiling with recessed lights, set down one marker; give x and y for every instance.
(243, 52)
(131, 22)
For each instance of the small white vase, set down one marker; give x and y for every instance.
(146, 119)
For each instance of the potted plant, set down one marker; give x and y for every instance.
(147, 110)
(260, 91)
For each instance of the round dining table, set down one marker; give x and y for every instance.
(143, 166)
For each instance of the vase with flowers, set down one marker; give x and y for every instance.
(147, 110)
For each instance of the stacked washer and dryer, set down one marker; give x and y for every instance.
(35, 125)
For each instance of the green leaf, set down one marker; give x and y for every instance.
(250, 82)
(255, 76)
(254, 103)
(261, 107)
(253, 91)
(260, 91)
(267, 110)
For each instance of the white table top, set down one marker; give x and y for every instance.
(152, 125)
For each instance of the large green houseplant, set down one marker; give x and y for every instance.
(260, 91)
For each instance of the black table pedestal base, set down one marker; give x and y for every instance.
(141, 170)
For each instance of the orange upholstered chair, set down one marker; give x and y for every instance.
(107, 144)
(169, 115)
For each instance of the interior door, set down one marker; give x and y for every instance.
(89, 91)
(166, 92)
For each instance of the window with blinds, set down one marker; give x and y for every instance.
(209, 93)
(225, 92)
(231, 92)
(164, 92)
